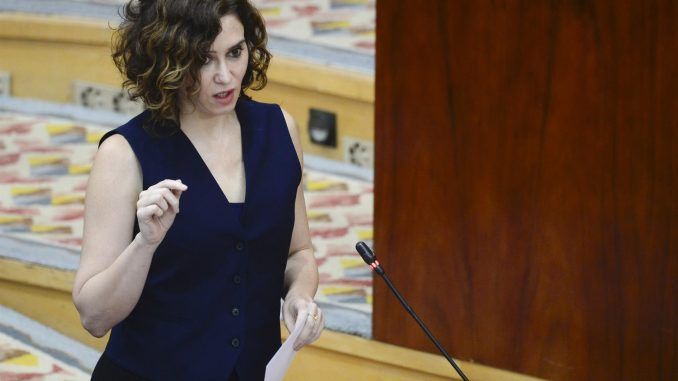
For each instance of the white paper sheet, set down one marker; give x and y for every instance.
(277, 367)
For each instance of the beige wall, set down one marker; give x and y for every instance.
(44, 55)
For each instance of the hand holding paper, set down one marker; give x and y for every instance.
(299, 305)
(277, 367)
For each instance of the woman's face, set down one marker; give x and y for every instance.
(221, 75)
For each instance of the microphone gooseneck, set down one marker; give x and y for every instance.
(368, 256)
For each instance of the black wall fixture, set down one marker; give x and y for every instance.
(322, 127)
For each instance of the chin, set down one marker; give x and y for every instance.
(216, 110)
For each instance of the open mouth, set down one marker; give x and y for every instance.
(224, 94)
(224, 98)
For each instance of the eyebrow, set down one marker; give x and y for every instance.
(232, 47)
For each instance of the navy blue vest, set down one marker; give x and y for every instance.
(212, 297)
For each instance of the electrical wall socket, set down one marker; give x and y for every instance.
(359, 152)
(101, 97)
(5, 84)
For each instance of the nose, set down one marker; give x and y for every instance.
(223, 74)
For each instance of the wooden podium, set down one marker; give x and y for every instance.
(525, 192)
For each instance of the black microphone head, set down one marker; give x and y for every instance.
(365, 252)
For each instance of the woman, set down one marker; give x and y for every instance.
(195, 223)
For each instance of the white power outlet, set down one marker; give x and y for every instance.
(359, 152)
(5, 84)
(101, 97)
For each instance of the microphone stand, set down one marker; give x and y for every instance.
(369, 258)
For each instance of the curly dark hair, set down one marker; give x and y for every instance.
(162, 44)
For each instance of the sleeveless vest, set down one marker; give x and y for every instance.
(211, 301)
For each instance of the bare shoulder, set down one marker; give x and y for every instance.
(115, 148)
(116, 157)
(115, 177)
(288, 117)
(294, 132)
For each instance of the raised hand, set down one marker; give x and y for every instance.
(156, 209)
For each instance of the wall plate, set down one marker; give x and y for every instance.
(359, 152)
(102, 97)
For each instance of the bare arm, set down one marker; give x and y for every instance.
(301, 273)
(113, 264)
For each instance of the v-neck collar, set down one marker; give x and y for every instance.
(242, 120)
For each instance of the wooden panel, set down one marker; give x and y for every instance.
(53, 308)
(36, 275)
(525, 183)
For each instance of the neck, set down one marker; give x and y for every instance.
(196, 123)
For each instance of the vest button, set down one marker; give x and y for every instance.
(239, 246)
(235, 312)
(236, 279)
(235, 343)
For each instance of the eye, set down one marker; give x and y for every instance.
(208, 59)
(236, 52)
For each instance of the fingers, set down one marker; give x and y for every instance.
(164, 194)
(175, 186)
(147, 198)
(313, 327)
(147, 212)
(169, 198)
(318, 326)
(170, 184)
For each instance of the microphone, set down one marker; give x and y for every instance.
(368, 256)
